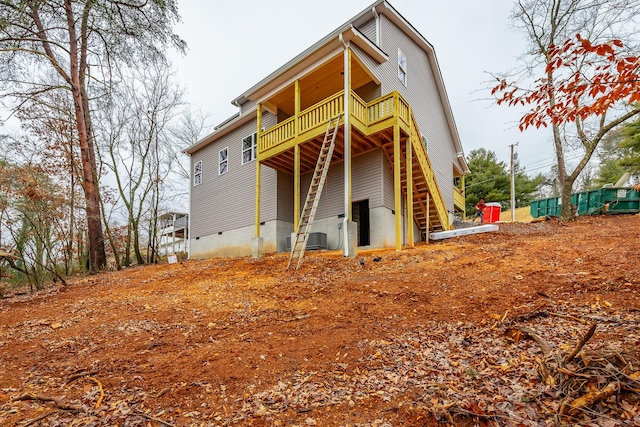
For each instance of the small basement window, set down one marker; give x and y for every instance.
(197, 173)
(402, 67)
(223, 161)
(249, 148)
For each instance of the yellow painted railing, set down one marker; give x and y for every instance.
(404, 110)
(320, 113)
(359, 109)
(380, 109)
(427, 170)
(277, 135)
(314, 120)
(458, 197)
(316, 117)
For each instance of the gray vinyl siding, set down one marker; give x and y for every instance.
(268, 120)
(285, 197)
(371, 63)
(368, 92)
(368, 29)
(422, 94)
(247, 106)
(226, 202)
(331, 201)
(366, 175)
(387, 185)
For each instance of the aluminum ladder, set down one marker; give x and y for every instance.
(315, 190)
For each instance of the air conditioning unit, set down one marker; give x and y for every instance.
(316, 241)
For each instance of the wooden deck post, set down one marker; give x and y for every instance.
(409, 170)
(397, 184)
(426, 239)
(464, 195)
(296, 159)
(296, 186)
(259, 120)
(397, 177)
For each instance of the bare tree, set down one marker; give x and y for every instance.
(190, 127)
(562, 89)
(65, 36)
(138, 151)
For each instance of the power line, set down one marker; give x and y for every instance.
(480, 182)
(540, 167)
(579, 156)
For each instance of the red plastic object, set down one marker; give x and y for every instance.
(492, 213)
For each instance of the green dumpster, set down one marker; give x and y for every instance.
(591, 202)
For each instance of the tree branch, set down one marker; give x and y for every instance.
(46, 44)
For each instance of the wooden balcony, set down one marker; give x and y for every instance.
(458, 198)
(373, 126)
(368, 118)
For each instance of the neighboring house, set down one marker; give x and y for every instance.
(250, 176)
(628, 180)
(174, 233)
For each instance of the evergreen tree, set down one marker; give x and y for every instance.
(610, 153)
(525, 186)
(631, 146)
(490, 180)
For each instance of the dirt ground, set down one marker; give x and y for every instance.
(439, 334)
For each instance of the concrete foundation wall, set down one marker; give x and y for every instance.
(238, 242)
(330, 227)
(283, 230)
(382, 229)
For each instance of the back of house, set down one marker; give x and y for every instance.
(398, 167)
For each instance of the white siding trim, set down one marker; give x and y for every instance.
(197, 173)
(224, 161)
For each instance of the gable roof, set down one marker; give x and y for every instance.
(346, 32)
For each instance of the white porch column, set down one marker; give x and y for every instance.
(349, 227)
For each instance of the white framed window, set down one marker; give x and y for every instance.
(425, 141)
(197, 173)
(402, 67)
(249, 148)
(223, 161)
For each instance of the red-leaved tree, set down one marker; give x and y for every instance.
(592, 86)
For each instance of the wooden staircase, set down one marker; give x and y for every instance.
(315, 190)
(429, 210)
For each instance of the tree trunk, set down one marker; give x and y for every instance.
(567, 212)
(72, 216)
(111, 237)
(127, 248)
(136, 243)
(97, 255)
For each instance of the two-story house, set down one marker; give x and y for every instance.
(398, 168)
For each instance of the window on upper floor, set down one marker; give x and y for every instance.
(402, 67)
(425, 142)
(223, 161)
(249, 148)
(197, 173)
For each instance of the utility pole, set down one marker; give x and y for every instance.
(513, 185)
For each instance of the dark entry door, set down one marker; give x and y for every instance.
(360, 213)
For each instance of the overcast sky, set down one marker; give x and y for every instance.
(235, 44)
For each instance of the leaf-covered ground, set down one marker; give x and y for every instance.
(475, 330)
